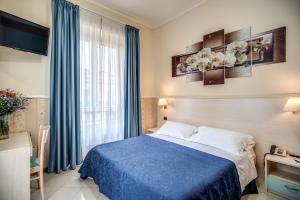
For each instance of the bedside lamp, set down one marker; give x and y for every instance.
(163, 102)
(292, 105)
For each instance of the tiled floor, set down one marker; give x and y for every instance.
(68, 186)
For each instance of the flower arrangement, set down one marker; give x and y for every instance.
(10, 102)
(237, 49)
(236, 53)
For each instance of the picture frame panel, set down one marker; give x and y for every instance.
(194, 48)
(177, 60)
(239, 71)
(262, 49)
(214, 77)
(239, 35)
(237, 38)
(276, 51)
(279, 44)
(194, 76)
(216, 74)
(215, 39)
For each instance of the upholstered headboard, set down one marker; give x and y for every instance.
(261, 117)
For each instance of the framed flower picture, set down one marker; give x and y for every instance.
(230, 55)
(238, 53)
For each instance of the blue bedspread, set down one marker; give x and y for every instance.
(144, 168)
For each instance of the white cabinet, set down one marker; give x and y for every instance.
(15, 167)
(282, 176)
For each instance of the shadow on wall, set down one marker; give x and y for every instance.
(12, 55)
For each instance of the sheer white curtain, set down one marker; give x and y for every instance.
(102, 51)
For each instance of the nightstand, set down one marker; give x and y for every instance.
(282, 176)
(152, 130)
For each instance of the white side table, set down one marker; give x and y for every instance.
(282, 176)
(15, 167)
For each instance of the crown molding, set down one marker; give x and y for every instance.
(267, 96)
(129, 18)
(133, 19)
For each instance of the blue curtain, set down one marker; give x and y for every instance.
(65, 145)
(132, 100)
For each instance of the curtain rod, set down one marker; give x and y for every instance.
(97, 14)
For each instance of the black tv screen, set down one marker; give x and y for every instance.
(22, 34)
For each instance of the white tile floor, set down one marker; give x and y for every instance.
(68, 186)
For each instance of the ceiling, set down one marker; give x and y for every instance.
(152, 13)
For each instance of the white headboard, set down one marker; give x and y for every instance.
(261, 117)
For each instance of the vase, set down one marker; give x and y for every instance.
(4, 127)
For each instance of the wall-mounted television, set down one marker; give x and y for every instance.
(22, 34)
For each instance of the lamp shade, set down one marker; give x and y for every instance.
(292, 105)
(162, 102)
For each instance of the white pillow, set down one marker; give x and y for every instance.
(177, 130)
(230, 141)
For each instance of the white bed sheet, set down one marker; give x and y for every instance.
(246, 170)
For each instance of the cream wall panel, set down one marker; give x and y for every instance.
(149, 113)
(261, 117)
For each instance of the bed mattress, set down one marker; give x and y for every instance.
(156, 167)
(244, 163)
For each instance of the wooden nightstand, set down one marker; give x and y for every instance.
(152, 130)
(282, 176)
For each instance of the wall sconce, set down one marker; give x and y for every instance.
(292, 105)
(163, 102)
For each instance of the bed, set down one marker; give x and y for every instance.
(159, 166)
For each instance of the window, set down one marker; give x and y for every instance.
(102, 49)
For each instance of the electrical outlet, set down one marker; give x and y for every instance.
(165, 118)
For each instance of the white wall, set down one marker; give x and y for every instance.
(29, 73)
(172, 38)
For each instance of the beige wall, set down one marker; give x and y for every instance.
(172, 38)
(26, 72)
(29, 73)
